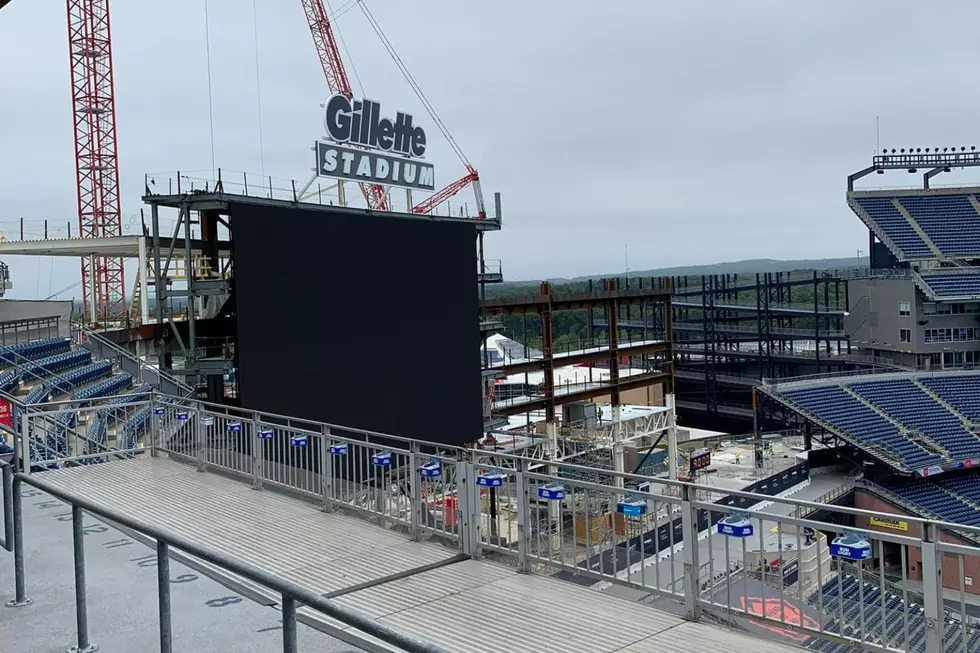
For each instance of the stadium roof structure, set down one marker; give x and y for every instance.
(920, 424)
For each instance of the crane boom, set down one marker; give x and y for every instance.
(337, 80)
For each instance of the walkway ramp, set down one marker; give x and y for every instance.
(421, 588)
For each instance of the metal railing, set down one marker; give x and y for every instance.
(122, 357)
(558, 518)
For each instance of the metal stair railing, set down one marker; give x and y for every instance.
(81, 335)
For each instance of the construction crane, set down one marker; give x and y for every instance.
(96, 163)
(337, 81)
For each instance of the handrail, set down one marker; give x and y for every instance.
(121, 351)
(291, 592)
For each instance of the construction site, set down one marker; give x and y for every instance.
(271, 383)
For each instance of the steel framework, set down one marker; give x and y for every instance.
(730, 331)
(96, 164)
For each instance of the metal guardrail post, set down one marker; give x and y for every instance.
(467, 514)
(288, 624)
(198, 432)
(258, 449)
(20, 595)
(154, 425)
(81, 602)
(8, 507)
(326, 470)
(163, 595)
(415, 488)
(523, 516)
(689, 525)
(932, 586)
(25, 444)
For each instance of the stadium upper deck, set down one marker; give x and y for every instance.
(916, 423)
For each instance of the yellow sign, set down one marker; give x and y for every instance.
(885, 522)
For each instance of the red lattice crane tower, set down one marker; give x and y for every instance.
(96, 163)
(337, 81)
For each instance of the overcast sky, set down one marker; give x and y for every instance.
(696, 132)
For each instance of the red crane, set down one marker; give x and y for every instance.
(96, 164)
(333, 70)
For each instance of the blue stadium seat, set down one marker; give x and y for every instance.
(45, 367)
(133, 428)
(104, 388)
(958, 284)
(895, 226)
(936, 497)
(962, 392)
(73, 378)
(836, 406)
(903, 401)
(949, 220)
(16, 354)
(843, 594)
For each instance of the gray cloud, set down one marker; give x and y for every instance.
(694, 132)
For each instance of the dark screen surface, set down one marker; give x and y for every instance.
(359, 320)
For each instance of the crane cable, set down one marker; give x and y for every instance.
(411, 82)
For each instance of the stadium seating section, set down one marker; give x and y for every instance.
(895, 226)
(949, 220)
(846, 413)
(906, 402)
(911, 422)
(962, 392)
(958, 284)
(883, 616)
(51, 370)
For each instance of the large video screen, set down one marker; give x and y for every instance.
(360, 320)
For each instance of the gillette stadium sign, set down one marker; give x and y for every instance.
(366, 147)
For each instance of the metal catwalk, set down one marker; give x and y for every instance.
(422, 589)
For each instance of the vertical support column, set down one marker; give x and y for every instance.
(163, 596)
(198, 438)
(144, 289)
(154, 418)
(8, 507)
(756, 436)
(20, 595)
(341, 195)
(409, 205)
(671, 437)
(689, 523)
(807, 436)
(326, 470)
(93, 278)
(523, 516)
(25, 441)
(159, 288)
(554, 507)
(258, 451)
(415, 490)
(191, 354)
(81, 602)
(288, 624)
(932, 587)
